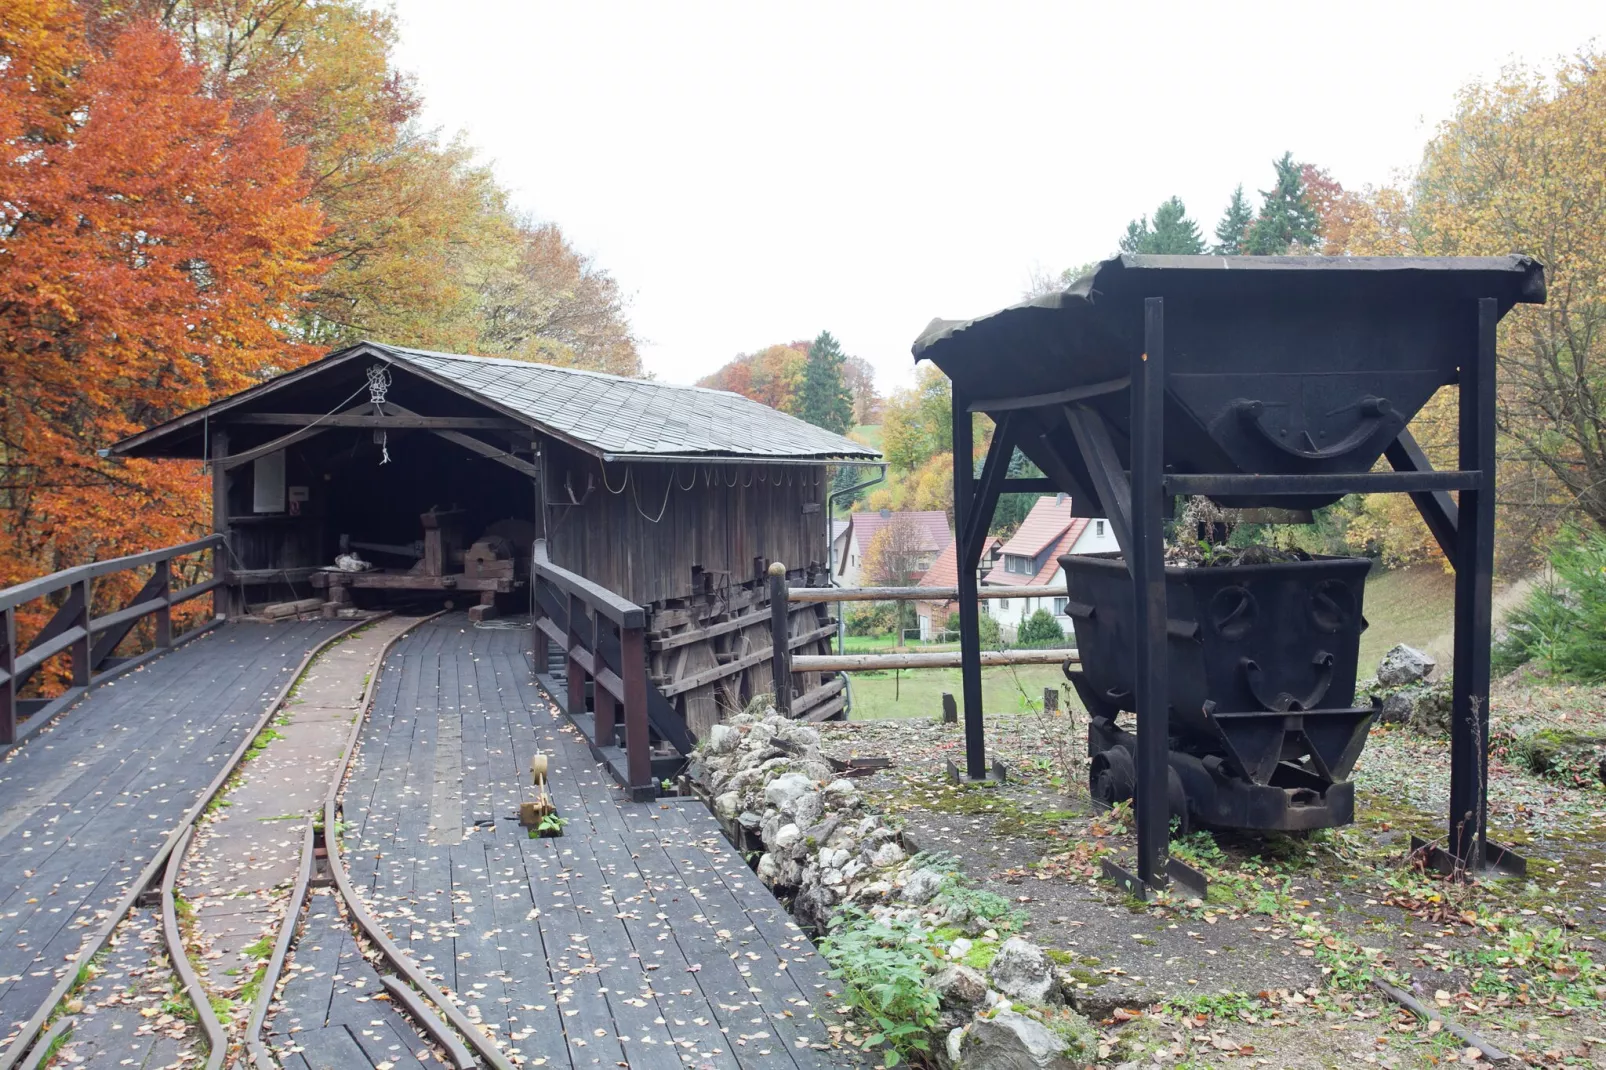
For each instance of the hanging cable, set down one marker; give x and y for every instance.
(669, 485)
(378, 387)
(622, 486)
(690, 486)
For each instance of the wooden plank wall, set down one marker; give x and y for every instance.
(716, 518)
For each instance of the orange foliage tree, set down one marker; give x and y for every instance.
(152, 246)
(773, 376)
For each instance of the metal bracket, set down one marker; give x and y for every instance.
(1498, 859)
(998, 774)
(1177, 872)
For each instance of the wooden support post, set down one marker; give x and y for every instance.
(576, 674)
(1146, 563)
(950, 709)
(82, 665)
(780, 640)
(8, 686)
(540, 649)
(638, 736)
(969, 607)
(1474, 572)
(604, 706)
(162, 584)
(222, 596)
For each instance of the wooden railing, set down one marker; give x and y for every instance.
(603, 639)
(89, 641)
(786, 663)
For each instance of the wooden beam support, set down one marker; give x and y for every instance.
(1104, 467)
(1057, 397)
(939, 659)
(474, 445)
(397, 421)
(708, 676)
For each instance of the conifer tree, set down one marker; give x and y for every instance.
(1172, 233)
(827, 402)
(1233, 231)
(1287, 219)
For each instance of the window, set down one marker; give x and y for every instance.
(1014, 563)
(1059, 606)
(1098, 528)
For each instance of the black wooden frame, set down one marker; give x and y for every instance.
(1139, 504)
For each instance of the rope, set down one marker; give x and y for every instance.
(690, 486)
(622, 486)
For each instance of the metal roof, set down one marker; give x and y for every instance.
(1097, 310)
(608, 415)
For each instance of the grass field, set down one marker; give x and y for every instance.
(918, 692)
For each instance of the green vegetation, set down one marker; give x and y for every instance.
(918, 692)
(1040, 629)
(1562, 626)
(883, 967)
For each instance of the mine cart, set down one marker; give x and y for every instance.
(1258, 382)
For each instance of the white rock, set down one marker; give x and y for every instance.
(767, 869)
(1404, 665)
(788, 835)
(1020, 970)
(887, 854)
(921, 886)
(785, 789)
(959, 948)
(1012, 1041)
(722, 739)
(806, 808)
(728, 805)
(956, 1037)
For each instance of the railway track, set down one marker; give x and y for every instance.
(426, 1005)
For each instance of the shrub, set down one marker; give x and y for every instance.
(991, 637)
(883, 966)
(1040, 629)
(1563, 626)
(877, 618)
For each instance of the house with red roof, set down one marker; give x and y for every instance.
(928, 532)
(1029, 559)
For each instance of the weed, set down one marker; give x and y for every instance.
(883, 968)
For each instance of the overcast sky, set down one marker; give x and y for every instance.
(756, 172)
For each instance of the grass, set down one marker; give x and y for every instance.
(918, 692)
(1406, 605)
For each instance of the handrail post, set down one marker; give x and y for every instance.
(540, 648)
(576, 674)
(605, 708)
(638, 737)
(81, 668)
(164, 616)
(8, 687)
(780, 639)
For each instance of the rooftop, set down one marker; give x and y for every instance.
(608, 415)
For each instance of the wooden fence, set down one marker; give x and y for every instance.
(90, 641)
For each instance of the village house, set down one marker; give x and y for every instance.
(1030, 560)
(928, 531)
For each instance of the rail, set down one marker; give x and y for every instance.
(786, 664)
(603, 640)
(90, 642)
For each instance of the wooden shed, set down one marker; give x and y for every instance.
(447, 477)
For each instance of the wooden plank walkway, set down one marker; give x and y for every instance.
(87, 802)
(637, 938)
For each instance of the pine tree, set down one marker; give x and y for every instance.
(827, 402)
(1172, 234)
(1287, 219)
(1233, 230)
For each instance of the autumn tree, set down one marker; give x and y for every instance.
(1232, 233)
(1286, 221)
(421, 246)
(1522, 167)
(1171, 234)
(897, 557)
(155, 240)
(858, 375)
(918, 421)
(773, 376)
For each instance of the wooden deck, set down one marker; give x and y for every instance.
(87, 801)
(637, 938)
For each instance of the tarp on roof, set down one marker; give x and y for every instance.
(608, 415)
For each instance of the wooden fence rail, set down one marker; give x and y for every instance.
(603, 639)
(787, 663)
(90, 641)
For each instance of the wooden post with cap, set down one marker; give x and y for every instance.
(780, 639)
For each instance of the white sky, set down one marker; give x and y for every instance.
(752, 173)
